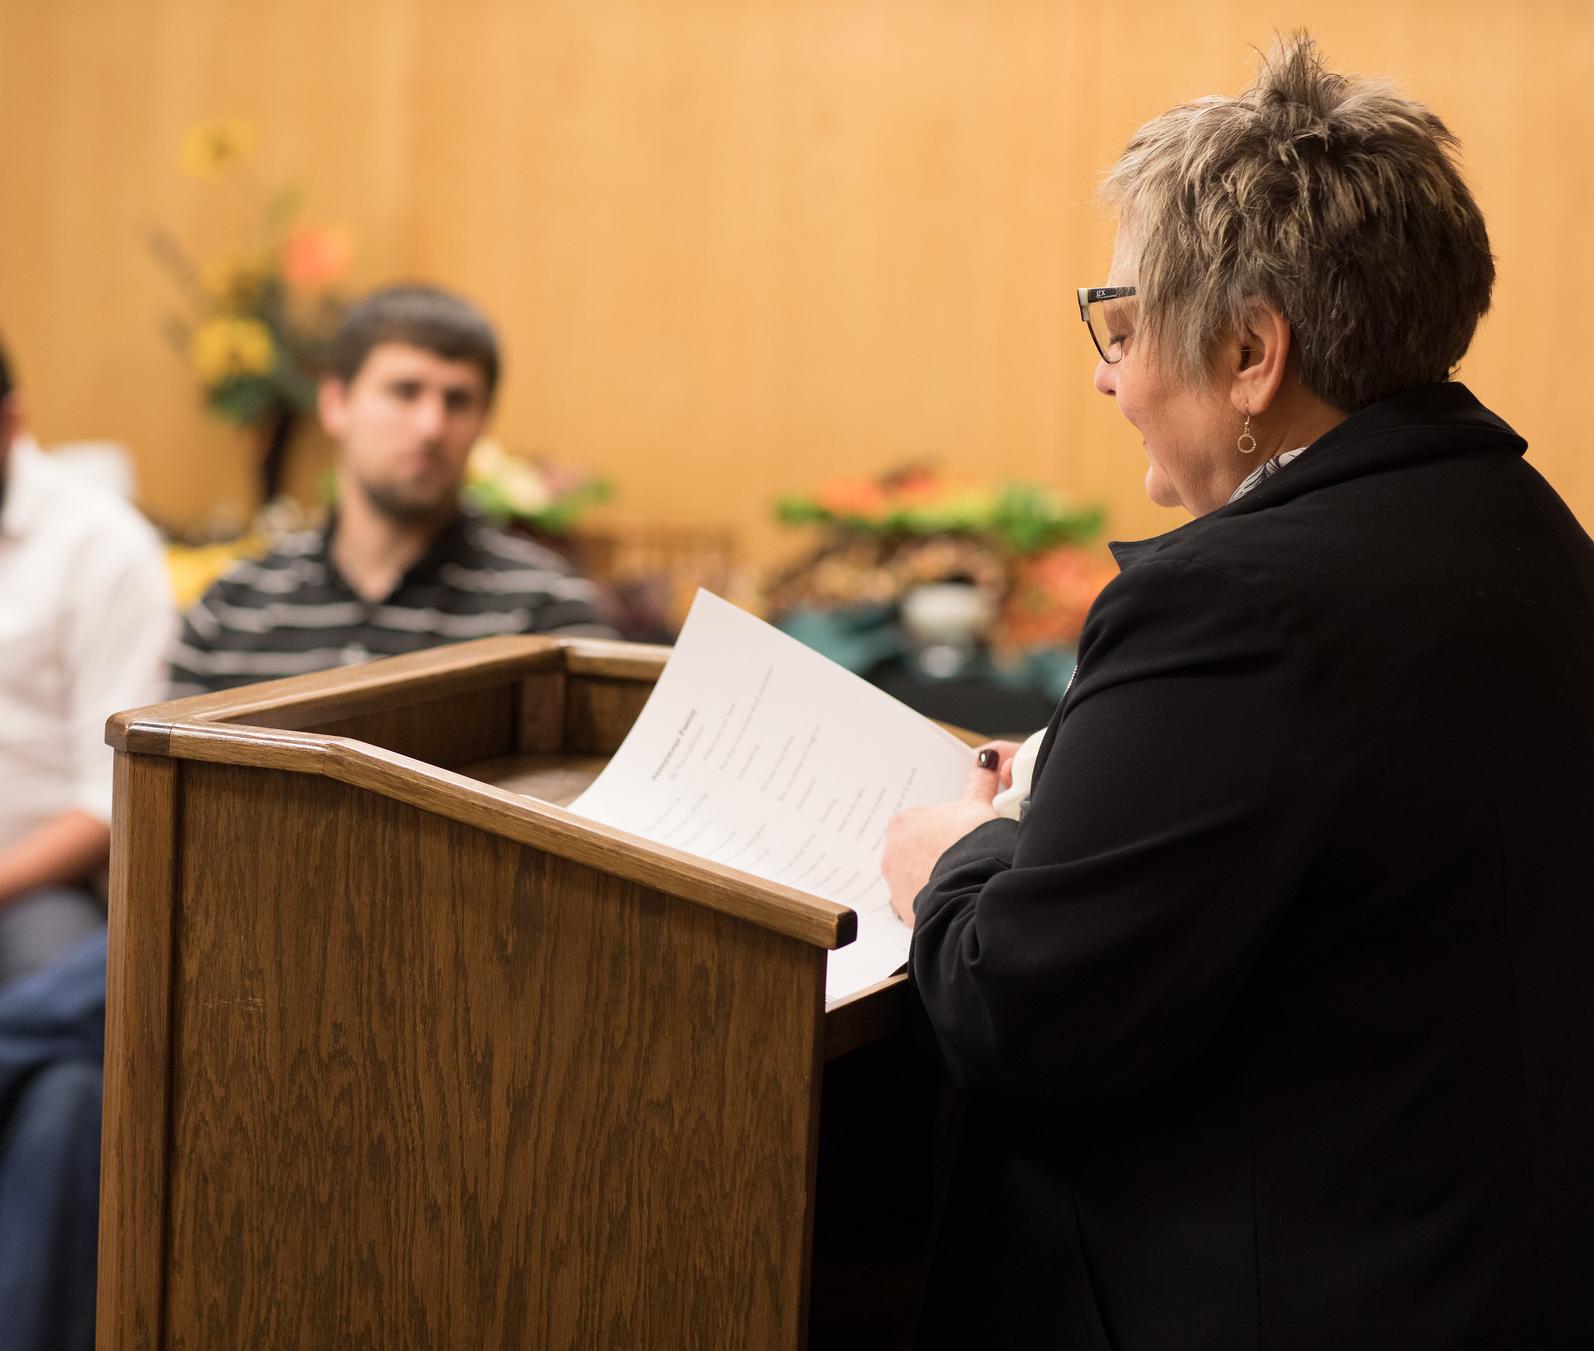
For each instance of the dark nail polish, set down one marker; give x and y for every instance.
(987, 759)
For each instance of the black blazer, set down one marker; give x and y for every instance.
(1277, 1010)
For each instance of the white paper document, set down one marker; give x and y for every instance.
(757, 753)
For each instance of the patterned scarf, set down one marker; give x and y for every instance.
(1264, 470)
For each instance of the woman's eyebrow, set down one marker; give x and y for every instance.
(1118, 312)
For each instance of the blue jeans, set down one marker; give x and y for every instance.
(52, 1040)
(41, 925)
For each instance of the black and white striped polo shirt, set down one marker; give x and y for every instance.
(292, 611)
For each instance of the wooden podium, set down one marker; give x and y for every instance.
(401, 1054)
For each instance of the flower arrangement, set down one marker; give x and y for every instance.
(516, 489)
(254, 318)
(1049, 593)
(918, 500)
(1026, 548)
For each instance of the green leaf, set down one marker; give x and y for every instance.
(800, 511)
(558, 517)
(244, 399)
(1020, 517)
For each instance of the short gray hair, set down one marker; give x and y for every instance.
(1331, 197)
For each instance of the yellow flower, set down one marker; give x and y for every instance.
(227, 347)
(193, 569)
(212, 148)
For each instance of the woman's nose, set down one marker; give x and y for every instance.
(1106, 380)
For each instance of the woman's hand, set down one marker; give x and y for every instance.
(916, 838)
(1005, 751)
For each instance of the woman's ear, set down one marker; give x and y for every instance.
(1257, 358)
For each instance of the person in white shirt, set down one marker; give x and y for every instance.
(86, 616)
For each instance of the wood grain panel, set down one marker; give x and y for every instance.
(598, 713)
(540, 713)
(450, 731)
(866, 1016)
(495, 1099)
(615, 661)
(734, 248)
(342, 693)
(558, 779)
(134, 1181)
(780, 908)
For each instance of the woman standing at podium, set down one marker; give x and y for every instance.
(1275, 1009)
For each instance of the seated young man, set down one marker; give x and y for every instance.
(400, 565)
(85, 619)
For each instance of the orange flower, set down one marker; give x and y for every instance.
(1052, 592)
(916, 483)
(314, 257)
(850, 496)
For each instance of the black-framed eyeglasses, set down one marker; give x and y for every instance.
(1109, 345)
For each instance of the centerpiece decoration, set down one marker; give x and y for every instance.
(882, 576)
(255, 316)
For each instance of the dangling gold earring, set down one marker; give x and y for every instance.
(1245, 435)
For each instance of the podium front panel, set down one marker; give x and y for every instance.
(440, 1089)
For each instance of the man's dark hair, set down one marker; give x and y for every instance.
(427, 317)
(5, 374)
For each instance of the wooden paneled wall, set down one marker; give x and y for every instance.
(733, 247)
